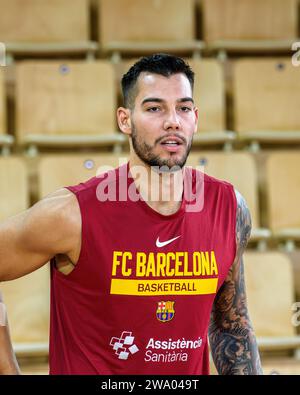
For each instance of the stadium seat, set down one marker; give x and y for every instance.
(239, 169)
(14, 191)
(266, 93)
(270, 296)
(147, 26)
(209, 95)
(74, 104)
(39, 27)
(28, 306)
(56, 170)
(283, 194)
(229, 26)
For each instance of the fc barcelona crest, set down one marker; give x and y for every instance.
(165, 311)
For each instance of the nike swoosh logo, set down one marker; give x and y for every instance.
(160, 244)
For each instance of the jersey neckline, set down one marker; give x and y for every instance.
(149, 210)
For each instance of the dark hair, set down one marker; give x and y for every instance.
(160, 63)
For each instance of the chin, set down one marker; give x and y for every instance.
(174, 162)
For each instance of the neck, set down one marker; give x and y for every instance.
(162, 191)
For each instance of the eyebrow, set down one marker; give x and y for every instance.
(157, 100)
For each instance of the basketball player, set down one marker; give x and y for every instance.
(139, 284)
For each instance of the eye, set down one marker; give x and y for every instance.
(153, 109)
(186, 109)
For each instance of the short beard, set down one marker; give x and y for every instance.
(144, 152)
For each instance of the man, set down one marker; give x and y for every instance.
(136, 279)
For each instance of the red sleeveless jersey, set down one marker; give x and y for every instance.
(139, 299)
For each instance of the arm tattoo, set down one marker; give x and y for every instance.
(232, 340)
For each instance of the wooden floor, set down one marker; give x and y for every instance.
(278, 365)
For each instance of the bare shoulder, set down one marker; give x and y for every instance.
(51, 227)
(59, 214)
(243, 223)
(61, 202)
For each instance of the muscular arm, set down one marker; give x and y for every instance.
(231, 335)
(27, 241)
(30, 239)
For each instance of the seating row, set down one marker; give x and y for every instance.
(75, 103)
(135, 26)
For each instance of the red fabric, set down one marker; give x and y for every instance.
(87, 320)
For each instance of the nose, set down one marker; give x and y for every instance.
(172, 122)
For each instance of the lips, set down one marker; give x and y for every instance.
(171, 141)
(171, 144)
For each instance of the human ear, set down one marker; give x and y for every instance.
(196, 112)
(124, 120)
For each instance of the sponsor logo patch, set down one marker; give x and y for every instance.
(123, 346)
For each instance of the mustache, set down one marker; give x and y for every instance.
(182, 138)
